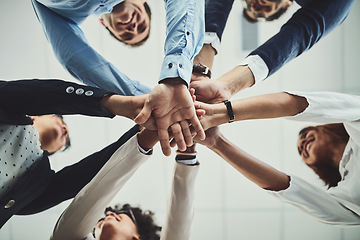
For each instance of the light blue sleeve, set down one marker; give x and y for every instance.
(80, 59)
(185, 30)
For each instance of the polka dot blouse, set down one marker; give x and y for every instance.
(19, 150)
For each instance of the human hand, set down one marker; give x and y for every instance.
(172, 106)
(127, 106)
(209, 91)
(212, 135)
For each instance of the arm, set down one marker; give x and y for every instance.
(304, 29)
(40, 97)
(257, 107)
(322, 107)
(88, 206)
(306, 197)
(79, 58)
(180, 204)
(170, 101)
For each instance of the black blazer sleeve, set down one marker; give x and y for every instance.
(40, 97)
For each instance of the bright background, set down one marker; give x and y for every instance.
(228, 206)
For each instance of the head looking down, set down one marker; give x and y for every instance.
(321, 148)
(126, 223)
(266, 10)
(53, 132)
(129, 22)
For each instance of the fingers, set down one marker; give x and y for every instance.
(164, 141)
(198, 128)
(186, 133)
(144, 114)
(178, 136)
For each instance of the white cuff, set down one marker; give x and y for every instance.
(212, 39)
(143, 151)
(257, 66)
(187, 161)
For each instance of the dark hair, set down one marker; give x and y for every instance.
(138, 44)
(327, 172)
(68, 141)
(275, 16)
(147, 229)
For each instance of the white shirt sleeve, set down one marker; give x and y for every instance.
(328, 107)
(212, 39)
(257, 66)
(316, 202)
(89, 204)
(180, 211)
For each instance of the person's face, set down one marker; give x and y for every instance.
(313, 146)
(53, 132)
(128, 21)
(256, 9)
(116, 226)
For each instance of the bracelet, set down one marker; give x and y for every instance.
(202, 69)
(230, 111)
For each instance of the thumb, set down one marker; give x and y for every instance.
(144, 114)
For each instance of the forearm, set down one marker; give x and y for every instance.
(206, 56)
(185, 32)
(304, 29)
(237, 79)
(259, 107)
(256, 171)
(40, 97)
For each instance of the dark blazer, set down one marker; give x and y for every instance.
(40, 187)
(306, 27)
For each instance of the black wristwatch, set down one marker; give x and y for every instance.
(202, 69)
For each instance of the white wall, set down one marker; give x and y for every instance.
(228, 206)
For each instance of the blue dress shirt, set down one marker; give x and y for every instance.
(60, 21)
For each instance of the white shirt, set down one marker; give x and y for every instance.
(339, 205)
(88, 206)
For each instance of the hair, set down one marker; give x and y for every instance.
(68, 141)
(328, 173)
(138, 44)
(275, 16)
(146, 226)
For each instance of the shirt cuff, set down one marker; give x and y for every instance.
(257, 66)
(143, 151)
(175, 65)
(189, 161)
(212, 39)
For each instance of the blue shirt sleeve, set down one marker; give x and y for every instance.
(305, 28)
(79, 58)
(185, 31)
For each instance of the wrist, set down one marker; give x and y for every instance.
(237, 79)
(173, 81)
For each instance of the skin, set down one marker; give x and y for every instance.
(172, 106)
(116, 227)
(316, 146)
(53, 132)
(128, 21)
(264, 8)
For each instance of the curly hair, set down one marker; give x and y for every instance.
(146, 226)
(329, 174)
